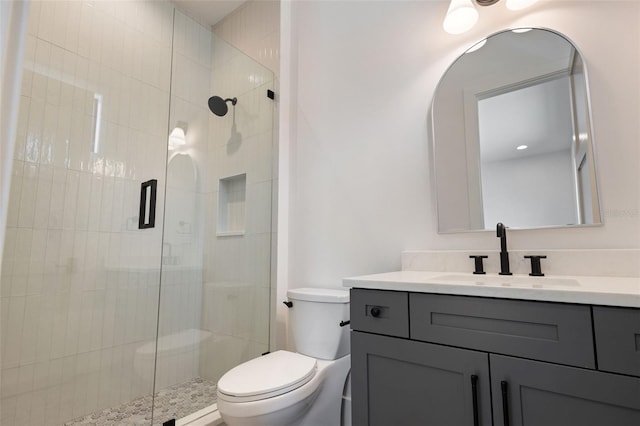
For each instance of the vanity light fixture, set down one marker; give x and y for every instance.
(177, 137)
(462, 14)
(461, 17)
(522, 147)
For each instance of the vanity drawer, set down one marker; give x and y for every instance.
(617, 332)
(552, 332)
(380, 312)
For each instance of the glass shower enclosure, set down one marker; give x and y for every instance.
(106, 319)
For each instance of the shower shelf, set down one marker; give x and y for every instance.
(232, 196)
(230, 234)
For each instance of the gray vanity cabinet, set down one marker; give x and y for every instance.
(533, 393)
(554, 332)
(617, 333)
(400, 382)
(533, 363)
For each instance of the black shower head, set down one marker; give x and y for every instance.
(218, 106)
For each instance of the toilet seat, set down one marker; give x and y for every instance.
(267, 376)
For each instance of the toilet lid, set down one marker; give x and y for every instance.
(267, 376)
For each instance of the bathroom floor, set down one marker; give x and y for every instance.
(173, 402)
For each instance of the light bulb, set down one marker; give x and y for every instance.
(519, 4)
(461, 17)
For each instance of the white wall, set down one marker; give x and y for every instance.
(360, 89)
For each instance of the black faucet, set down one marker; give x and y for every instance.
(501, 231)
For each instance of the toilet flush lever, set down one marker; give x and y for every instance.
(288, 304)
(343, 323)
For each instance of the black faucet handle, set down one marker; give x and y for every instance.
(479, 265)
(536, 269)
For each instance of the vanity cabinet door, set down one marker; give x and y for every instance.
(544, 394)
(617, 333)
(401, 382)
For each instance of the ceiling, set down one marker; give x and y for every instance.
(209, 11)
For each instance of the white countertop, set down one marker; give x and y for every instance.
(612, 291)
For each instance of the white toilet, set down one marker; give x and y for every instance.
(303, 388)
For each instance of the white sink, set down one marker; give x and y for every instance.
(507, 280)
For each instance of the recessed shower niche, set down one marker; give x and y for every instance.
(232, 197)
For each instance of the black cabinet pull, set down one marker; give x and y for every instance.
(474, 397)
(505, 402)
(150, 186)
(375, 312)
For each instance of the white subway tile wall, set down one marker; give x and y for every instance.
(92, 126)
(231, 309)
(237, 287)
(182, 273)
(79, 285)
(254, 28)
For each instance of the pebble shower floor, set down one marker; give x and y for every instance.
(173, 402)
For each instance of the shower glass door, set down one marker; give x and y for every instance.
(216, 260)
(104, 319)
(80, 281)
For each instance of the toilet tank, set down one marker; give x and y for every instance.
(314, 319)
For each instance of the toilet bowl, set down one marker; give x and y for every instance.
(311, 398)
(295, 388)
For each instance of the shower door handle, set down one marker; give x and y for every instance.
(147, 217)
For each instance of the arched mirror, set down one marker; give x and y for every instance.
(512, 138)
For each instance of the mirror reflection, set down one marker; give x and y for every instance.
(180, 236)
(512, 136)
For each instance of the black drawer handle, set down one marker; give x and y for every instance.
(505, 402)
(375, 312)
(474, 397)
